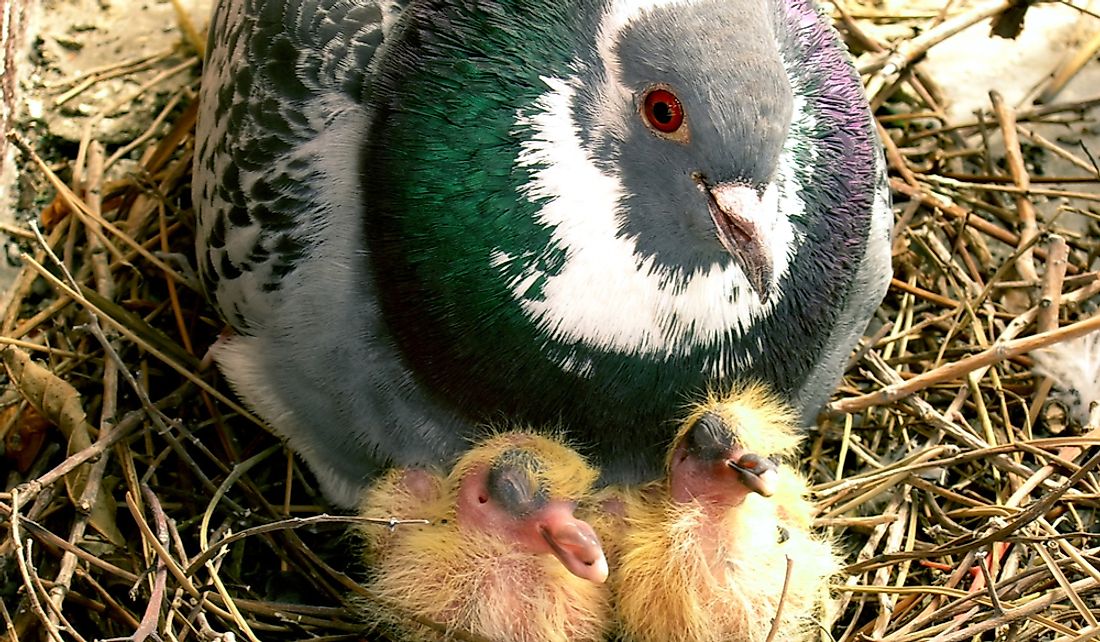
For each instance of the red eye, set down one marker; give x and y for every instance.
(663, 111)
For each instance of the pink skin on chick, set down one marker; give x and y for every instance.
(709, 466)
(701, 556)
(495, 504)
(504, 556)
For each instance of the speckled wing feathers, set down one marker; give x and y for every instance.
(277, 187)
(258, 167)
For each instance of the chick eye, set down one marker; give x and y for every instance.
(512, 486)
(662, 111)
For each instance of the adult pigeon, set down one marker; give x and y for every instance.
(424, 216)
(504, 557)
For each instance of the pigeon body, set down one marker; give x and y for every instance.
(424, 217)
(702, 555)
(503, 557)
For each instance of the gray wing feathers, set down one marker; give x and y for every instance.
(277, 186)
(277, 75)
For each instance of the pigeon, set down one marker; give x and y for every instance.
(503, 556)
(424, 217)
(702, 555)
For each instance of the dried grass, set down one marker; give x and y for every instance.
(144, 502)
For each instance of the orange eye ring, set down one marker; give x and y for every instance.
(663, 111)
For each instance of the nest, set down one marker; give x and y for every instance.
(145, 502)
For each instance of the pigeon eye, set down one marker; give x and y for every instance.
(662, 111)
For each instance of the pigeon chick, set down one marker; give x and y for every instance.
(423, 216)
(701, 556)
(504, 557)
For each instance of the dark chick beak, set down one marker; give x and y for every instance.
(758, 473)
(732, 208)
(574, 542)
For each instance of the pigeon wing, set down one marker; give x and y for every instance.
(278, 75)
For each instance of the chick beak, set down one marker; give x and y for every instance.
(733, 208)
(757, 473)
(573, 542)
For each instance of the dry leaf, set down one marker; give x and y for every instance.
(25, 435)
(54, 213)
(60, 404)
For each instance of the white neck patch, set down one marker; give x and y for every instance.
(605, 296)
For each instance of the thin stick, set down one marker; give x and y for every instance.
(1069, 69)
(782, 601)
(996, 354)
(21, 562)
(893, 63)
(1015, 160)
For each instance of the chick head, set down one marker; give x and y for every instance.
(503, 555)
(524, 488)
(730, 446)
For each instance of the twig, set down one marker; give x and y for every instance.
(782, 601)
(893, 63)
(21, 551)
(1069, 69)
(999, 352)
(1016, 168)
(292, 523)
(149, 620)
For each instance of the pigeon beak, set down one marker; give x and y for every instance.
(758, 474)
(733, 207)
(573, 542)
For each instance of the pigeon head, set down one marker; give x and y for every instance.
(731, 448)
(524, 489)
(610, 170)
(694, 127)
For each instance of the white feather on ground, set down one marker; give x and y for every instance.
(1074, 367)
